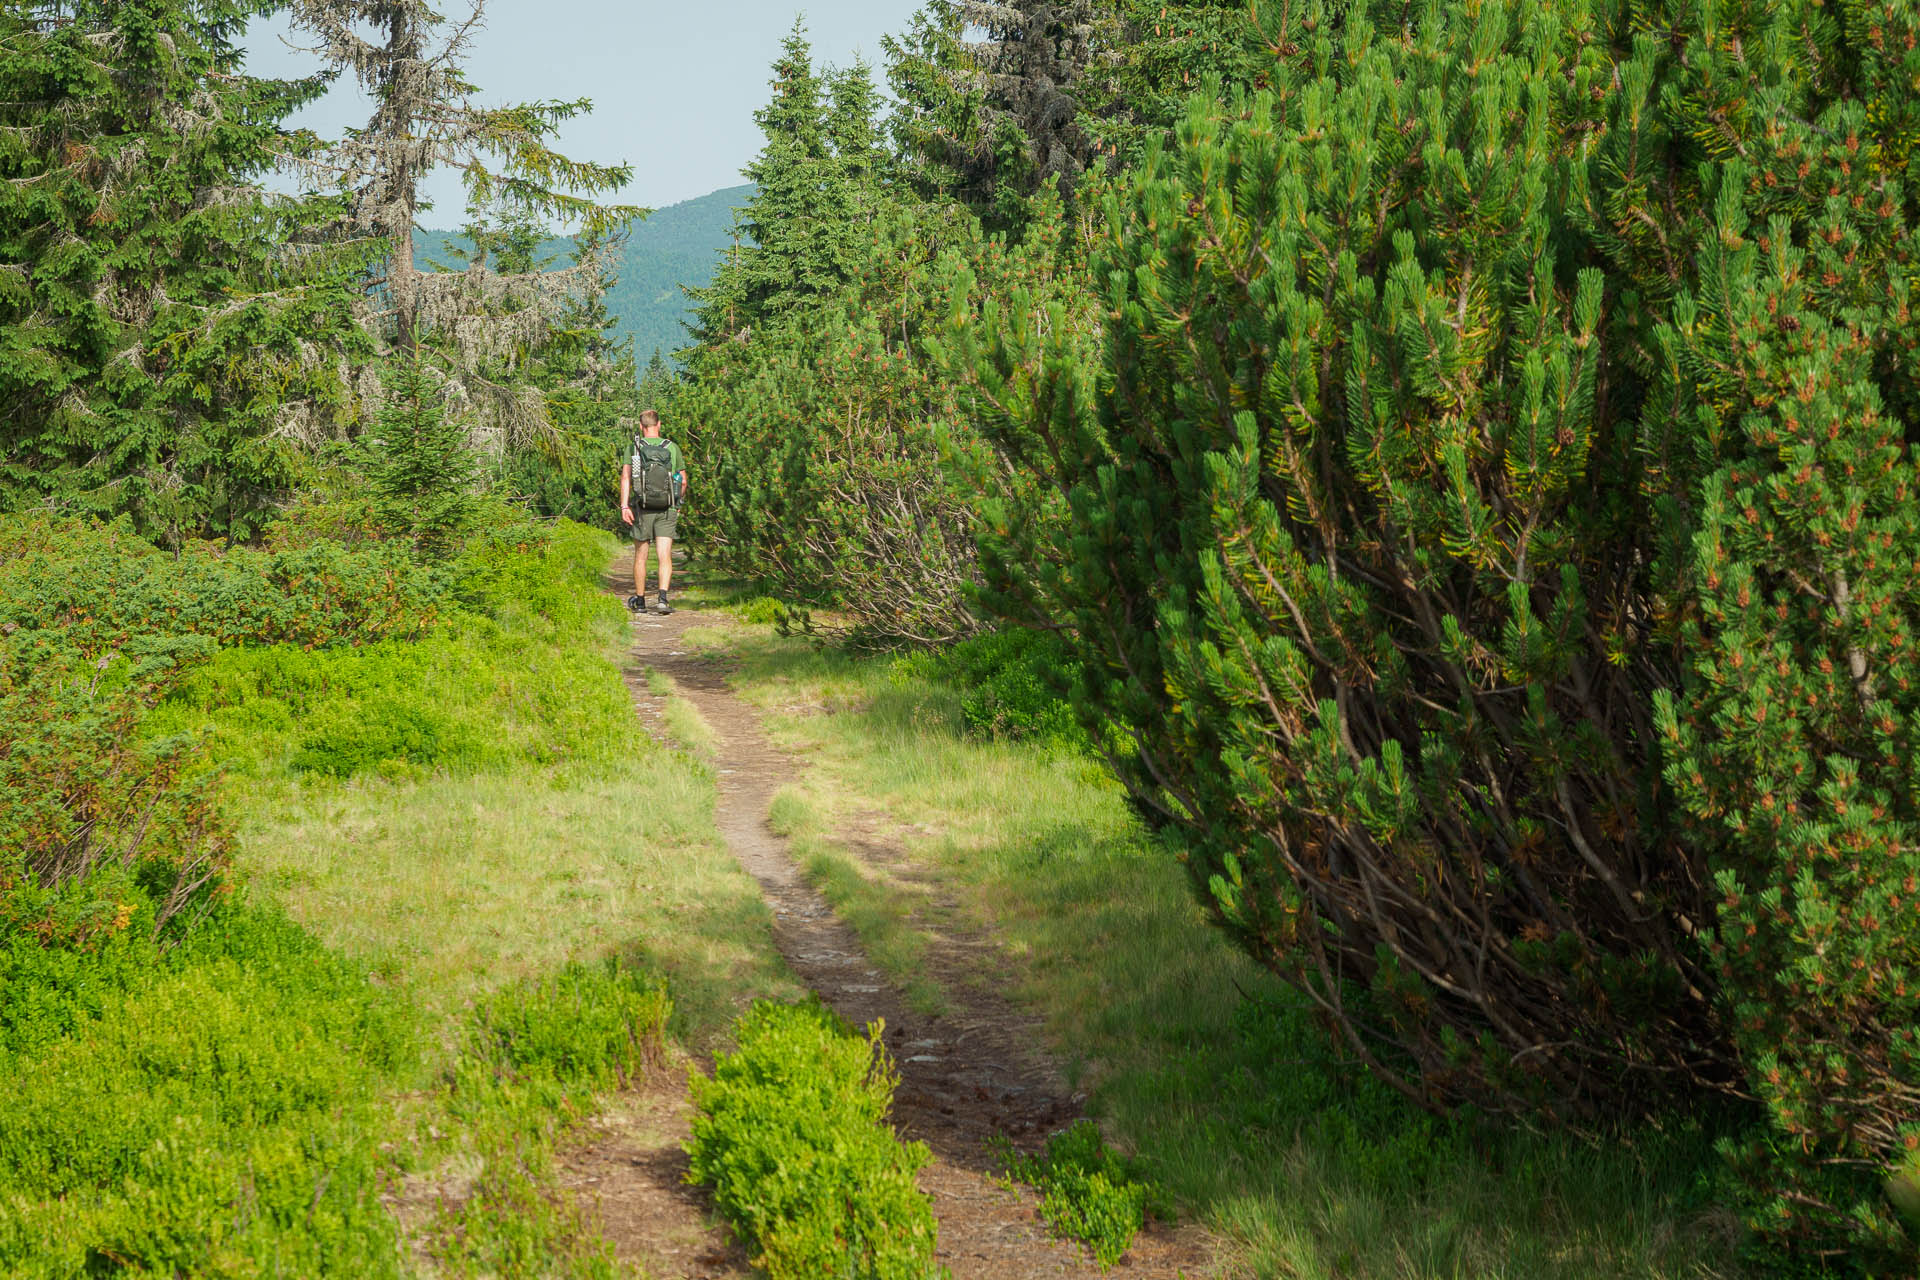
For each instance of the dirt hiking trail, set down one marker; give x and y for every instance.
(975, 1070)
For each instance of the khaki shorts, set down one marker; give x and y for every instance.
(648, 525)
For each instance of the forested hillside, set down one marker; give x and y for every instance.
(671, 248)
(1303, 657)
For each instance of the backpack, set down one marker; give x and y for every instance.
(653, 487)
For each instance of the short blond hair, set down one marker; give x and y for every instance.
(649, 417)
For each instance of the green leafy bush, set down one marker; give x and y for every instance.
(763, 610)
(514, 670)
(208, 1110)
(96, 588)
(216, 1101)
(1086, 1191)
(1011, 682)
(597, 1026)
(101, 830)
(792, 1135)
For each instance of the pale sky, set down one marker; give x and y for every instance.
(674, 83)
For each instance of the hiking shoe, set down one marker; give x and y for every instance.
(660, 605)
(635, 603)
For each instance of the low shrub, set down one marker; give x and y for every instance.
(792, 1135)
(1012, 684)
(96, 588)
(1086, 1191)
(535, 1054)
(100, 830)
(590, 1025)
(515, 670)
(207, 1111)
(763, 610)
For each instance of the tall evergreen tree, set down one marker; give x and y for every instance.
(410, 61)
(786, 244)
(165, 352)
(422, 469)
(988, 100)
(658, 383)
(586, 372)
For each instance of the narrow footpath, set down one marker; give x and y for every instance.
(973, 1071)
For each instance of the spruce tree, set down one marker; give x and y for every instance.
(789, 240)
(410, 60)
(586, 373)
(170, 344)
(988, 108)
(421, 466)
(658, 383)
(936, 123)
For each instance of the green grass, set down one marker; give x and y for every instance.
(1202, 1065)
(451, 886)
(461, 873)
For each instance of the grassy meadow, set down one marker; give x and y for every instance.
(463, 883)
(1199, 1063)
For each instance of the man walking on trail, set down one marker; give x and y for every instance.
(652, 486)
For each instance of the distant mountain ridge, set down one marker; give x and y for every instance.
(675, 246)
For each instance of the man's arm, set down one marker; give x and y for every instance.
(626, 492)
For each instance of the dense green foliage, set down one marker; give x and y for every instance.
(106, 826)
(1790, 366)
(481, 693)
(167, 342)
(97, 590)
(205, 1111)
(1011, 684)
(419, 468)
(792, 1135)
(1424, 448)
(1086, 1191)
(218, 1100)
(809, 408)
(1467, 458)
(1338, 533)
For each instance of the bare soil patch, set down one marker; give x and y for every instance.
(632, 1167)
(973, 1071)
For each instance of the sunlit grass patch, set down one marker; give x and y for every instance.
(688, 727)
(453, 886)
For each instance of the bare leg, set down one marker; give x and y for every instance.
(640, 568)
(666, 564)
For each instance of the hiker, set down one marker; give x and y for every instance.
(652, 486)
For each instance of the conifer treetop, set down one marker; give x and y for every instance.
(427, 116)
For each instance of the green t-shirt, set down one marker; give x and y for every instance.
(675, 464)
